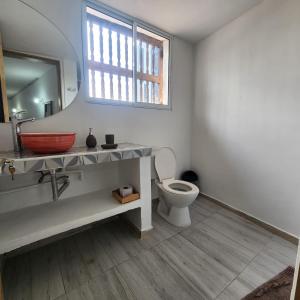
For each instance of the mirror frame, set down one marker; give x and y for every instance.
(4, 112)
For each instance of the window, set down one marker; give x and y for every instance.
(125, 61)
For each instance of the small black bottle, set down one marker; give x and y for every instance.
(91, 141)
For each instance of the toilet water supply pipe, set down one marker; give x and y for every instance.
(57, 191)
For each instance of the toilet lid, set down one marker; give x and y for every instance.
(165, 164)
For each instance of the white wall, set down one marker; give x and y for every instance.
(145, 126)
(21, 193)
(246, 141)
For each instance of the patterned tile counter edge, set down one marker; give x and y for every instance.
(79, 156)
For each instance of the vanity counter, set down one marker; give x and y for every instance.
(77, 156)
(30, 224)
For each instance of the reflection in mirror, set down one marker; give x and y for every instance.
(32, 84)
(39, 71)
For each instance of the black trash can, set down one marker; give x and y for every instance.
(190, 176)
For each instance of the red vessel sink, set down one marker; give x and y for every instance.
(48, 143)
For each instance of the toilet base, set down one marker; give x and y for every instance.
(179, 217)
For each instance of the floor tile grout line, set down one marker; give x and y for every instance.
(252, 224)
(130, 288)
(60, 270)
(173, 235)
(30, 270)
(61, 274)
(174, 268)
(155, 246)
(238, 274)
(272, 235)
(259, 252)
(249, 225)
(180, 233)
(228, 235)
(224, 233)
(117, 264)
(206, 252)
(132, 257)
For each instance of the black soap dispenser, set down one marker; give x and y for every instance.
(91, 141)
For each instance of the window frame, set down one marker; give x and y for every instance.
(134, 22)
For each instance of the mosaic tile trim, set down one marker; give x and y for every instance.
(72, 159)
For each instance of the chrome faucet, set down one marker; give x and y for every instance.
(16, 122)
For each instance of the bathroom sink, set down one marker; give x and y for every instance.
(47, 142)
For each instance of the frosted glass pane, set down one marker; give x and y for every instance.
(89, 41)
(90, 83)
(129, 46)
(150, 61)
(122, 50)
(130, 96)
(114, 48)
(105, 37)
(96, 36)
(97, 84)
(123, 88)
(116, 87)
(138, 55)
(107, 86)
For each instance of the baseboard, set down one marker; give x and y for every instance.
(271, 228)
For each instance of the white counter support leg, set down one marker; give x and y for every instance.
(145, 190)
(138, 173)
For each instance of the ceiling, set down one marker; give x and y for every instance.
(21, 73)
(191, 20)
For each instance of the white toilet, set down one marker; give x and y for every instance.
(175, 196)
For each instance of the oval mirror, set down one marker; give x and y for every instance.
(39, 68)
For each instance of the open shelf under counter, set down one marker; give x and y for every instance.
(22, 227)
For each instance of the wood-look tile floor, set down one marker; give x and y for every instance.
(220, 256)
